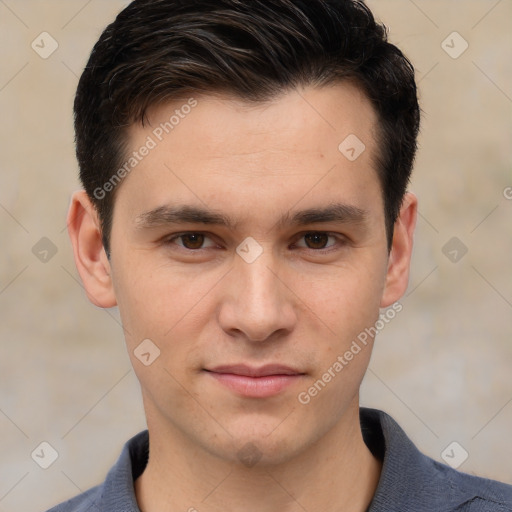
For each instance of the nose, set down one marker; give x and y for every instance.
(257, 304)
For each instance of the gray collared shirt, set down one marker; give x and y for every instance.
(409, 482)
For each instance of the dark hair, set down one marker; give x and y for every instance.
(159, 50)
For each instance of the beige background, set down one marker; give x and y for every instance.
(441, 367)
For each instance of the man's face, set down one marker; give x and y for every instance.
(296, 295)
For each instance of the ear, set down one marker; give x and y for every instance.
(90, 258)
(399, 261)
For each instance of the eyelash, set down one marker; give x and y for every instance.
(341, 241)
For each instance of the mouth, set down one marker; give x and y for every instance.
(255, 382)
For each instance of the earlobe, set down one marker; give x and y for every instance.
(90, 257)
(397, 276)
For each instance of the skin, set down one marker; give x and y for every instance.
(293, 305)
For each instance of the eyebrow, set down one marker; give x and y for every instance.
(180, 214)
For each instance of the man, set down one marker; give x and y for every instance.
(245, 166)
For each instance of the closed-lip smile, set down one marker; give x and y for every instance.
(255, 382)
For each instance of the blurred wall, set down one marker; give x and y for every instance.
(441, 367)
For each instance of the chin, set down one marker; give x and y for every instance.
(257, 445)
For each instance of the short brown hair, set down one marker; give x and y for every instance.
(159, 50)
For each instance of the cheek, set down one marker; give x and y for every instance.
(345, 299)
(348, 307)
(157, 301)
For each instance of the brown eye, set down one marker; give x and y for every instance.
(316, 240)
(192, 240)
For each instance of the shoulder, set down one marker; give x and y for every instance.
(472, 493)
(85, 502)
(412, 481)
(116, 493)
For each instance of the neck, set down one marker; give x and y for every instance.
(336, 473)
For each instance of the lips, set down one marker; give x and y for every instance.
(255, 382)
(262, 371)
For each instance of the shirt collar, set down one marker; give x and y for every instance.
(408, 477)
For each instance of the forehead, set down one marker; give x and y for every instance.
(304, 119)
(314, 144)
